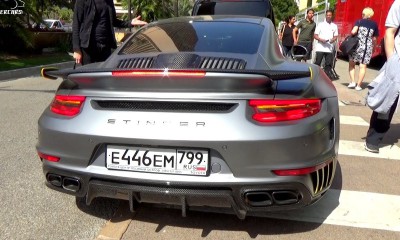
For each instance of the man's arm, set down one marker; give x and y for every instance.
(316, 37)
(295, 36)
(389, 41)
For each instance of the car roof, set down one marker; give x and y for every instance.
(225, 18)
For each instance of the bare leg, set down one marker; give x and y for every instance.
(352, 67)
(361, 75)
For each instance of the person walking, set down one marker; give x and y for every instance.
(286, 35)
(380, 122)
(326, 35)
(367, 31)
(93, 30)
(306, 36)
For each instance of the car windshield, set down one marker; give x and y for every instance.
(48, 23)
(233, 8)
(231, 37)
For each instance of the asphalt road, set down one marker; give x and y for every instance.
(29, 210)
(364, 202)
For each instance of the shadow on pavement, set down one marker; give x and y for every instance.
(104, 208)
(275, 223)
(392, 137)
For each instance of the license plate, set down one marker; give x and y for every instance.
(158, 160)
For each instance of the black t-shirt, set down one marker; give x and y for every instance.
(287, 35)
(101, 30)
(367, 28)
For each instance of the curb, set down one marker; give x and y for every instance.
(31, 71)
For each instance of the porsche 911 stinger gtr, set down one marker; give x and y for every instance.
(194, 112)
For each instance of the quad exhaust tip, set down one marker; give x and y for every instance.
(265, 199)
(68, 183)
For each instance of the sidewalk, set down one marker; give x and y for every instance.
(351, 96)
(31, 71)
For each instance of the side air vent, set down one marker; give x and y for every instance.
(222, 63)
(163, 106)
(322, 178)
(145, 62)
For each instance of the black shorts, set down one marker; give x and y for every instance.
(308, 46)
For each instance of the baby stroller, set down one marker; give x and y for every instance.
(298, 52)
(333, 72)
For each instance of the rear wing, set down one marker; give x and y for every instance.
(180, 80)
(53, 73)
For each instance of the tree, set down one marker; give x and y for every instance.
(151, 10)
(284, 8)
(332, 4)
(16, 27)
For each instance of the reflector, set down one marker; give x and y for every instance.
(48, 157)
(300, 171)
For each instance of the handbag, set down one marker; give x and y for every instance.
(349, 45)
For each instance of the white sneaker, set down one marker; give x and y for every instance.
(358, 88)
(351, 85)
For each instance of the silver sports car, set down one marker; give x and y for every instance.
(197, 113)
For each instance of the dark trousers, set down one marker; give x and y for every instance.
(379, 124)
(287, 50)
(328, 66)
(328, 59)
(95, 53)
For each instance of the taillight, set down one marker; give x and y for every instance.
(67, 105)
(48, 157)
(300, 171)
(159, 73)
(284, 110)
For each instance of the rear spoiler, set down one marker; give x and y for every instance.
(52, 73)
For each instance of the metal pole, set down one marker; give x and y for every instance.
(129, 15)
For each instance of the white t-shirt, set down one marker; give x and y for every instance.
(393, 20)
(326, 31)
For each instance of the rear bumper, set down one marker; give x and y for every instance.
(241, 198)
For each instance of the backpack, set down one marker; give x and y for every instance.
(349, 45)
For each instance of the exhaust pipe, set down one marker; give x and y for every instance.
(71, 184)
(285, 197)
(258, 199)
(54, 179)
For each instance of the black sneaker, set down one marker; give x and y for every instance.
(371, 148)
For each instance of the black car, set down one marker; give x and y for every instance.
(259, 8)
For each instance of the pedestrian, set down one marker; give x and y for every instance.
(326, 35)
(380, 122)
(93, 30)
(286, 35)
(367, 31)
(306, 36)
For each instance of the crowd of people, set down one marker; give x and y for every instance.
(325, 34)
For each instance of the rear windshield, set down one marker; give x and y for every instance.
(231, 37)
(260, 9)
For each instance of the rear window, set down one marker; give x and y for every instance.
(231, 37)
(260, 9)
